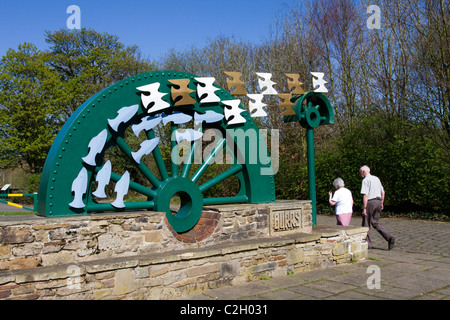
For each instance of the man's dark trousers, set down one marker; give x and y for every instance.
(372, 219)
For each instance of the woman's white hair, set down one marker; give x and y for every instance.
(338, 183)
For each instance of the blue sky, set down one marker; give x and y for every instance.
(154, 26)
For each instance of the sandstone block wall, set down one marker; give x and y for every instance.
(31, 242)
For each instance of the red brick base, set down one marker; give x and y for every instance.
(203, 229)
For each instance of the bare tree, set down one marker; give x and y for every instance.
(431, 22)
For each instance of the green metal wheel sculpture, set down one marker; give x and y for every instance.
(77, 170)
(311, 110)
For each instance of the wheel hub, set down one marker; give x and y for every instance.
(191, 203)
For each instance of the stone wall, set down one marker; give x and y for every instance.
(138, 255)
(31, 242)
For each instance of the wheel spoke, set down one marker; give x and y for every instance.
(158, 158)
(141, 166)
(228, 173)
(190, 157)
(219, 146)
(173, 152)
(135, 186)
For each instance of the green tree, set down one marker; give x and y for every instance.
(29, 107)
(89, 61)
(405, 155)
(39, 90)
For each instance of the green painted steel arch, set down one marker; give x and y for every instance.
(67, 159)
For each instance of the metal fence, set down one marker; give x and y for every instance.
(5, 197)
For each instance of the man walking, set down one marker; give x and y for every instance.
(373, 200)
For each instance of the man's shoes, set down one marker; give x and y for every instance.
(391, 243)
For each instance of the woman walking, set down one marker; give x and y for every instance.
(343, 202)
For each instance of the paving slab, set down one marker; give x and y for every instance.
(238, 291)
(312, 293)
(417, 283)
(284, 282)
(353, 295)
(280, 295)
(356, 277)
(331, 286)
(389, 293)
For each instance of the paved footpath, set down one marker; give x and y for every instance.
(418, 268)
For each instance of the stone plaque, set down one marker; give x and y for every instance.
(286, 221)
